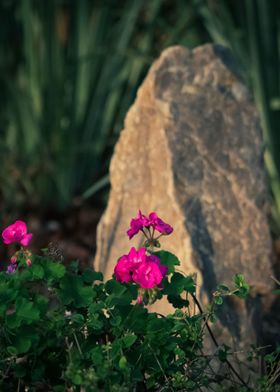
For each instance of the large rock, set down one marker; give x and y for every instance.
(191, 150)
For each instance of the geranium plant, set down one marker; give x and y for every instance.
(62, 329)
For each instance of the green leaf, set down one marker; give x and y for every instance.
(38, 372)
(150, 382)
(95, 322)
(37, 272)
(95, 307)
(189, 284)
(25, 313)
(42, 303)
(116, 348)
(136, 319)
(239, 281)
(3, 309)
(77, 379)
(128, 340)
(178, 284)
(73, 291)
(77, 318)
(223, 288)
(241, 285)
(158, 327)
(119, 293)
(97, 355)
(20, 370)
(114, 287)
(7, 293)
(218, 300)
(173, 289)
(223, 353)
(191, 385)
(115, 321)
(12, 350)
(177, 301)
(25, 275)
(168, 259)
(89, 276)
(54, 271)
(22, 344)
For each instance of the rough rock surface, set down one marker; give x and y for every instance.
(191, 150)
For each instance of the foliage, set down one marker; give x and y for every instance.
(63, 328)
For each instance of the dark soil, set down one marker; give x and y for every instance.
(71, 236)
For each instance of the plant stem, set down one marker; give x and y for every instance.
(215, 340)
(78, 344)
(159, 364)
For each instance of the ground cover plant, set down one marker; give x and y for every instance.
(62, 329)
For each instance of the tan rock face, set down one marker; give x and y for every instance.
(191, 150)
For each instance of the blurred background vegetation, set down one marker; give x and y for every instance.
(70, 69)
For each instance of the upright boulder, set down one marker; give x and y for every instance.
(191, 150)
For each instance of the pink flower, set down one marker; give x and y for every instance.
(137, 224)
(159, 224)
(136, 258)
(28, 263)
(163, 268)
(122, 270)
(17, 232)
(129, 263)
(13, 259)
(147, 275)
(140, 299)
(138, 267)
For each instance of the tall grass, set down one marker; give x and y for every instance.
(69, 71)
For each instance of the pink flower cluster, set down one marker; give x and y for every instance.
(152, 221)
(17, 232)
(140, 268)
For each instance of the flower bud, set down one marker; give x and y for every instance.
(156, 243)
(11, 268)
(28, 263)
(13, 260)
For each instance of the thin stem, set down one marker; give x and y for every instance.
(215, 340)
(159, 364)
(158, 236)
(145, 234)
(153, 232)
(275, 280)
(18, 386)
(78, 344)
(69, 347)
